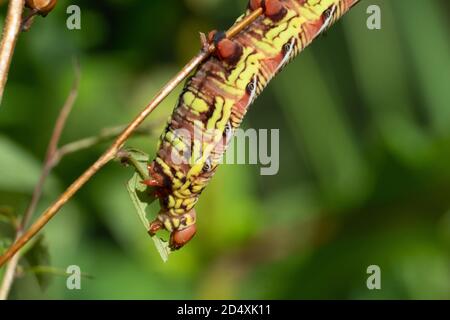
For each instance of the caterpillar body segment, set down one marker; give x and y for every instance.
(216, 98)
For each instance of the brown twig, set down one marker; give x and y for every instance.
(11, 32)
(37, 192)
(53, 145)
(111, 152)
(28, 20)
(105, 135)
(53, 160)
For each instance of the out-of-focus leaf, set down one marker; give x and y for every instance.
(313, 113)
(5, 243)
(36, 270)
(424, 29)
(38, 255)
(19, 171)
(383, 80)
(8, 215)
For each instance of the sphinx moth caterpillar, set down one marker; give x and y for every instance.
(216, 98)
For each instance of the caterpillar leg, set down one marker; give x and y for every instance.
(156, 179)
(181, 234)
(178, 238)
(155, 226)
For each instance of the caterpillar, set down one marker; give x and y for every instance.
(215, 99)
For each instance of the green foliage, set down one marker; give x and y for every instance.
(140, 196)
(364, 150)
(36, 256)
(8, 216)
(27, 169)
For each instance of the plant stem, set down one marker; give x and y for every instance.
(105, 135)
(11, 32)
(8, 278)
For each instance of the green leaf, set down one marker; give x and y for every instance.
(38, 255)
(135, 158)
(134, 186)
(19, 170)
(162, 247)
(138, 155)
(8, 215)
(140, 196)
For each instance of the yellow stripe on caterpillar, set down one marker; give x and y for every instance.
(194, 102)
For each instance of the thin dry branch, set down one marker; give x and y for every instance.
(112, 151)
(11, 32)
(107, 134)
(49, 162)
(53, 159)
(53, 145)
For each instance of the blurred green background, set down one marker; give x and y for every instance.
(364, 119)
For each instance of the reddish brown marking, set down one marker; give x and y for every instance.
(240, 108)
(255, 4)
(312, 28)
(229, 50)
(274, 9)
(273, 63)
(211, 35)
(156, 179)
(152, 183)
(158, 193)
(155, 226)
(179, 238)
